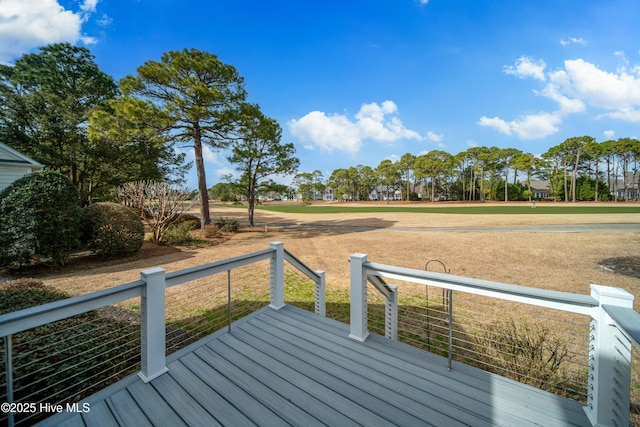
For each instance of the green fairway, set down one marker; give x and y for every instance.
(464, 210)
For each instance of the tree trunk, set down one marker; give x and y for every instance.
(482, 199)
(566, 184)
(506, 184)
(202, 183)
(625, 166)
(252, 205)
(597, 197)
(574, 178)
(433, 189)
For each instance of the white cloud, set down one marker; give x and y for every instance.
(434, 136)
(625, 114)
(496, 123)
(207, 154)
(25, 25)
(567, 105)
(89, 6)
(527, 67)
(372, 125)
(105, 21)
(576, 86)
(573, 40)
(530, 126)
(317, 130)
(618, 91)
(609, 134)
(225, 172)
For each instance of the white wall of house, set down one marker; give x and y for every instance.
(14, 165)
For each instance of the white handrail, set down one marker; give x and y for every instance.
(198, 272)
(318, 278)
(22, 320)
(581, 304)
(627, 320)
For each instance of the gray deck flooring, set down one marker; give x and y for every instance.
(291, 367)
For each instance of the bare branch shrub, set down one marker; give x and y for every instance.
(158, 203)
(527, 352)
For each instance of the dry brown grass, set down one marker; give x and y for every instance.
(560, 261)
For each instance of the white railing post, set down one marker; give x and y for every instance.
(152, 335)
(320, 294)
(391, 313)
(609, 362)
(277, 275)
(358, 297)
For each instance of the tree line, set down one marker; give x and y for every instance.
(579, 168)
(59, 108)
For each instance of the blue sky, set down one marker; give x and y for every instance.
(356, 82)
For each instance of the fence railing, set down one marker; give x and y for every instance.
(133, 327)
(607, 328)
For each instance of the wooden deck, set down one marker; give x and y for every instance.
(291, 367)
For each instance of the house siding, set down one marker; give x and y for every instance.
(9, 174)
(14, 165)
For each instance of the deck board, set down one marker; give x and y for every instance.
(397, 401)
(293, 367)
(307, 395)
(125, 409)
(207, 397)
(258, 391)
(343, 394)
(153, 405)
(477, 385)
(255, 411)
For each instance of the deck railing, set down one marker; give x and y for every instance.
(611, 328)
(155, 326)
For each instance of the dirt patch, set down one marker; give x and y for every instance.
(629, 266)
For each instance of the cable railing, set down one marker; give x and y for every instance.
(577, 346)
(56, 354)
(533, 346)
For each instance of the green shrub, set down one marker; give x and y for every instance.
(112, 229)
(40, 215)
(193, 221)
(178, 234)
(24, 293)
(229, 225)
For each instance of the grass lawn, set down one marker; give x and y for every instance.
(554, 209)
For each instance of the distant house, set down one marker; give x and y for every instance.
(540, 189)
(385, 193)
(631, 191)
(14, 165)
(329, 195)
